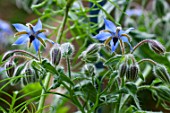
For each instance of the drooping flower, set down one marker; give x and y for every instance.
(31, 34)
(113, 34)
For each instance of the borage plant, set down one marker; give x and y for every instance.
(92, 89)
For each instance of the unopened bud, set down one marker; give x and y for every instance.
(92, 49)
(10, 68)
(161, 72)
(91, 58)
(67, 49)
(7, 55)
(157, 47)
(132, 73)
(89, 70)
(56, 56)
(29, 76)
(122, 70)
(163, 93)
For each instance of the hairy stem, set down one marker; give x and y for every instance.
(147, 60)
(42, 98)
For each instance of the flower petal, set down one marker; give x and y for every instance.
(42, 35)
(22, 39)
(109, 25)
(21, 27)
(125, 39)
(38, 26)
(102, 36)
(36, 44)
(128, 30)
(113, 46)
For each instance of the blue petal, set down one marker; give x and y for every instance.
(21, 27)
(42, 35)
(120, 33)
(36, 44)
(128, 30)
(109, 25)
(125, 32)
(113, 47)
(22, 39)
(38, 26)
(125, 39)
(103, 36)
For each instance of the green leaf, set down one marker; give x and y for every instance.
(65, 78)
(49, 67)
(90, 91)
(113, 60)
(141, 76)
(132, 88)
(36, 65)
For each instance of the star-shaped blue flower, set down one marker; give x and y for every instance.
(113, 34)
(31, 34)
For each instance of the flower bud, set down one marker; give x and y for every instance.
(161, 72)
(29, 76)
(67, 49)
(122, 70)
(157, 47)
(89, 70)
(10, 68)
(91, 58)
(56, 56)
(163, 93)
(92, 49)
(132, 72)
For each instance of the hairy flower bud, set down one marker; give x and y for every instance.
(67, 49)
(132, 72)
(163, 93)
(157, 47)
(29, 76)
(161, 72)
(91, 58)
(122, 70)
(10, 68)
(89, 70)
(92, 49)
(55, 56)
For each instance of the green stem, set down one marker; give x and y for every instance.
(68, 67)
(42, 98)
(39, 55)
(61, 29)
(124, 10)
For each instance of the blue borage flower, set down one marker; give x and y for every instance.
(31, 34)
(113, 35)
